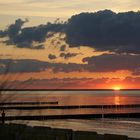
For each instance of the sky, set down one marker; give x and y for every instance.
(39, 11)
(63, 8)
(56, 44)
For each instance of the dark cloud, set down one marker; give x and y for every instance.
(113, 62)
(102, 63)
(21, 66)
(13, 30)
(102, 30)
(68, 55)
(63, 48)
(2, 33)
(27, 65)
(23, 37)
(51, 56)
(105, 30)
(70, 67)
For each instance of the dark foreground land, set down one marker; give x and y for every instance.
(24, 132)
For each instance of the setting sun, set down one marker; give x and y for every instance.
(117, 88)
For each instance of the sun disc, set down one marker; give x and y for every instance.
(116, 88)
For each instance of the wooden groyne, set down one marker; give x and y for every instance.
(74, 116)
(27, 103)
(41, 106)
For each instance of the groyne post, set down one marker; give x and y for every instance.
(102, 112)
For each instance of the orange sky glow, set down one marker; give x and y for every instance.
(69, 45)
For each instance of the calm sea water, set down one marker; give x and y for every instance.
(69, 98)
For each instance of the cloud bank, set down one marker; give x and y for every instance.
(102, 30)
(74, 83)
(27, 66)
(102, 63)
(113, 62)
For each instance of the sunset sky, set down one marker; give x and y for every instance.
(76, 44)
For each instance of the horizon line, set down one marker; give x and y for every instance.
(68, 90)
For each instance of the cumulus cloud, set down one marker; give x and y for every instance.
(105, 30)
(24, 37)
(13, 30)
(102, 30)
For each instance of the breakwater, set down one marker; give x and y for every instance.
(27, 103)
(40, 105)
(74, 116)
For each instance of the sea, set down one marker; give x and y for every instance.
(124, 126)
